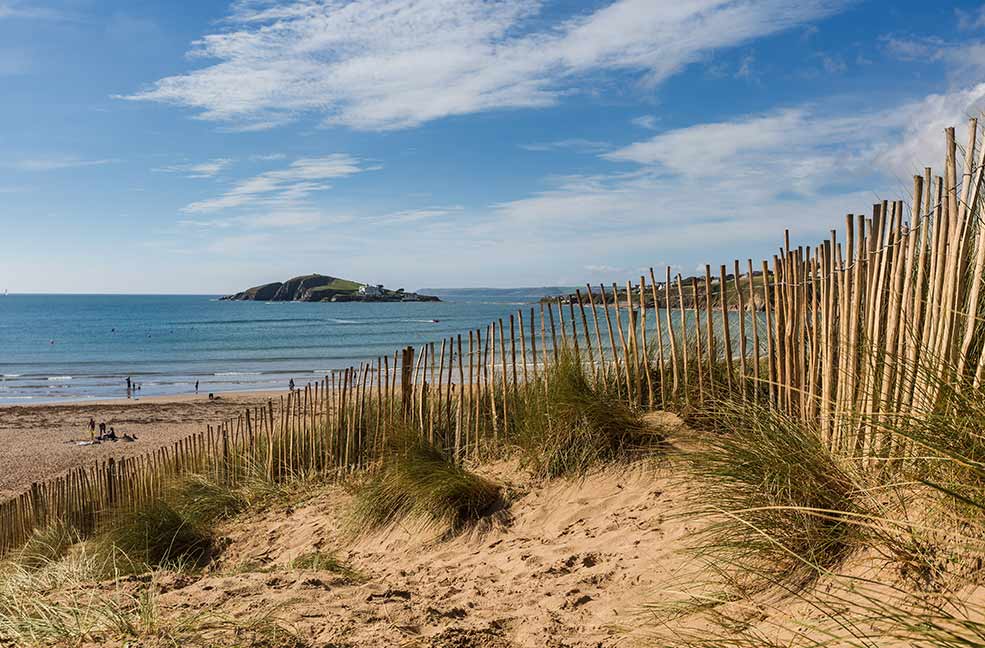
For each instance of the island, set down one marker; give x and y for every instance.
(323, 288)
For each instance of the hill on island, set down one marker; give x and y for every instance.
(325, 288)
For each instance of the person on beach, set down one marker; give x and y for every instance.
(290, 385)
(92, 428)
(196, 386)
(102, 429)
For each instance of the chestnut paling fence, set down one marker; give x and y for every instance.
(847, 336)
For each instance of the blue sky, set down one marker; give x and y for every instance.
(146, 148)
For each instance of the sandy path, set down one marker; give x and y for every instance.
(569, 566)
(35, 440)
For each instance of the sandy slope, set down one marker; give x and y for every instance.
(569, 565)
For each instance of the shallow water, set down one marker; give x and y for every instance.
(77, 347)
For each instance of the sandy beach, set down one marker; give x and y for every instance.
(37, 441)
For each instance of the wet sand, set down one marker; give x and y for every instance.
(36, 441)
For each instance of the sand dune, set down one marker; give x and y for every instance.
(566, 566)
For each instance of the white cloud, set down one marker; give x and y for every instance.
(710, 189)
(576, 145)
(791, 145)
(58, 162)
(808, 150)
(208, 169)
(649, 122)
(389, 64)
(284, 187)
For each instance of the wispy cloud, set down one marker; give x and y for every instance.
(208, 169)
(283, 187)
(603, 269)
(649, 122)
(963, 60)
(276, 219)
(707, 186)
(29, 11)
(418, 215)
(58, 162)
(576, 145)
(390, 64)
(971, 19)
(747, 68)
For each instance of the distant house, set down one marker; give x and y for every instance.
(371, 291)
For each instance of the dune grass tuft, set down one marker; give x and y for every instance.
(418, 480)
(45, 546)
(567, 424)
(785, 506)
(157, 533)
(57, 605)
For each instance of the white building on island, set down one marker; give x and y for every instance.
(371, 291)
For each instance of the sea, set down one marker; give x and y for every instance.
(70, 348)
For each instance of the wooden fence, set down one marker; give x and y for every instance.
(844, 336)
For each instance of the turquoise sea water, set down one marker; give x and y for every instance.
(78, 347)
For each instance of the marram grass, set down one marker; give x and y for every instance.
(780, 500)
(45, 546)
(419, 481)
(157, 533)
(567, 424)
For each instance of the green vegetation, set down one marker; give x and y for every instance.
(159, 533)
(55, 604)
(334, 287)
(419, 481)
(787, 512)
(45, 546)
(782, 502)
(177, 529)
(568, 424)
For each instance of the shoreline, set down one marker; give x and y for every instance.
(160, 399)
(40, 440)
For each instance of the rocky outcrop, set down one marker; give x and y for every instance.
(298, 288)
(323, 288)
(266, 292)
